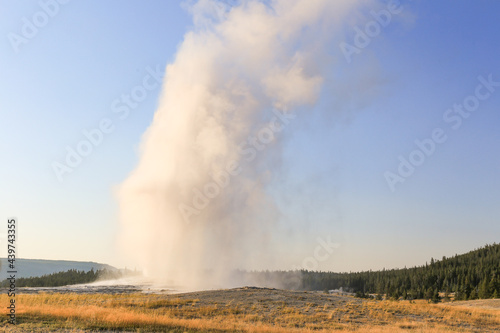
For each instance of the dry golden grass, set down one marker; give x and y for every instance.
(244, 310)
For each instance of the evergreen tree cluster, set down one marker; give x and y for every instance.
(474, 275)
(468, 276)
(69, 277)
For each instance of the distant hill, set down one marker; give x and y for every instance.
(38, 267)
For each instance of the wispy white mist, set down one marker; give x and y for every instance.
(240, 72)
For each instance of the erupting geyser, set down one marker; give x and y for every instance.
(197, 206)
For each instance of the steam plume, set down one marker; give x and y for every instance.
(197, 204)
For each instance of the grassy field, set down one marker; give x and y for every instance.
(245, 310)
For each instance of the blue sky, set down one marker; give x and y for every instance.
(65, 78)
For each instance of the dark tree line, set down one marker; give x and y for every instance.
(69, 277)
(472, 275)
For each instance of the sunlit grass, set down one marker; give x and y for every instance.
(151, 313)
